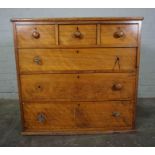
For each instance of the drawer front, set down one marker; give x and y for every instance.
(56, 116)
(78, 87)
(77, 34)
(35, 36)
(110, 59)
(119, 35)
(109, 114)
(45, 116)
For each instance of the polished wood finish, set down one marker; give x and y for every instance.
(77, 75)
(107, 115)
(78, 87)
(119, 35)
(77, 35)
(116, 19)
(110, 59)
(56, 116)
(74, 116)
(35, 36)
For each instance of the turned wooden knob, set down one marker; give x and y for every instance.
(35, 34)
(77, 34)
(119, 34)
(117, 86)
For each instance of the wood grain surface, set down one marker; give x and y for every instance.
(77, 115)
(88, 35)
(26, 40)
(77, 75)
(77, 59)
(129, 38)
(77, 87)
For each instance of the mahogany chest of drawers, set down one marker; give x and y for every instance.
(77, 75)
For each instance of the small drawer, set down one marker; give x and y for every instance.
(97, 59)
(78, 87)
(77, 35)
(35, 36)
(77, 116)
(119, 35)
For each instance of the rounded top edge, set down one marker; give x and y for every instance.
(76, 18)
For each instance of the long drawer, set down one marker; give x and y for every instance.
(105, 59)
(78, 87)
(55, 116)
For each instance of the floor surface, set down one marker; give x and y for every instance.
(145, 135)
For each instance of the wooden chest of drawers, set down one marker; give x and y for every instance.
(77, 75)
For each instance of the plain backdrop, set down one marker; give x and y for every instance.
(8, 82)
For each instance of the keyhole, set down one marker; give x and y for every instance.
(77, 51)
(117, 58)
(78, 76)
(39, 88)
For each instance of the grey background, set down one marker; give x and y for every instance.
(8, 84)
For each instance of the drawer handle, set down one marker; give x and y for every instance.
(77, 34)
(35, 34)
(41, 117)
(117, 62)
(37, 60)
(116, 114)
(117, 86)
(119, 34)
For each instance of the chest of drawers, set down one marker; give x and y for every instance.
(77, 75)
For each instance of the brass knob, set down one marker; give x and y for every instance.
(116, 114)
(37, 60)
(117, 86)
(77, 34)
(35, 34)
(119, 34)
(41, 117)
